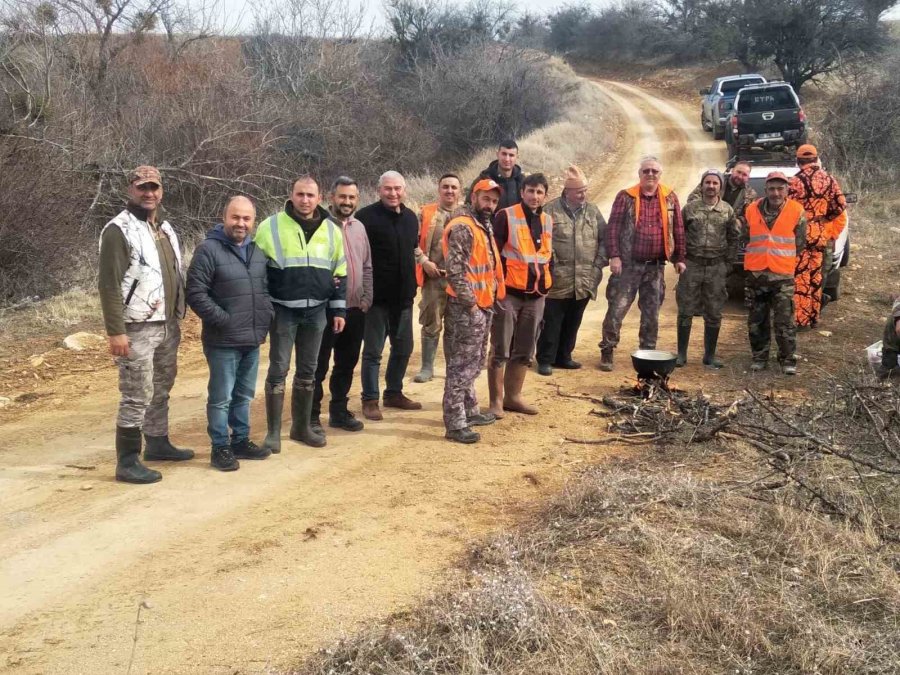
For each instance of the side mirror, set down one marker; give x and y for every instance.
(851, 197)
(704, 92)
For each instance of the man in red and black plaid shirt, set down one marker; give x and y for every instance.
(645, 230)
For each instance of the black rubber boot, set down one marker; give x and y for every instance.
(889, 363)
(274, 407)
(684, 338)
(160, 449)
(128, 453)
(710, 340)
(301, 405)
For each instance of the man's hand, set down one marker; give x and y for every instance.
(615, 266)
(680, 267)
(118, 345)
(431, 269)
(339, 323)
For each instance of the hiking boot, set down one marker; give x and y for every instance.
(481, 419)
(371, 411)
(606, 360)
(567, 364)
(757, 366)
(466, 436)
(160, 449)
(544, 369)
(247, 449)
(429, 349)
(128, 458)
(399, 400)
(345, 420)
(789, 368)
(274, 408)
(301, 407)
(222, 458)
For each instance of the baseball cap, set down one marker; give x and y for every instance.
(807, 151)
(485, 185)
(145, 174)
(776, 176)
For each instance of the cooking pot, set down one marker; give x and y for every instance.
(650, 363)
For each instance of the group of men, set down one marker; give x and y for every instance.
(504, 274)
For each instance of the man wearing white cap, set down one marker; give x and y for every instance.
(579, 255)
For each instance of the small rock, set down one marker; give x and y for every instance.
(87, 486)
(4, 401)
(36, 361)
(79, 342)
(825, 333)
(895, 229)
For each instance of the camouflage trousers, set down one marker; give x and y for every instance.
(465, 349)
(644, 281)
(147, 374)
(771, 302)
(702, 290)
(432, 307)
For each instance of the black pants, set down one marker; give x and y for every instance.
(346, 346)
(562, 319)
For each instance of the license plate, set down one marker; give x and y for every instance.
(766, 137)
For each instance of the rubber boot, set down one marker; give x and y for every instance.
(301, 405)
(160, 449)
(710, 340)
(684, 338)
(128, 455)
(889, 363)
(274, 408)
(512, 390)
(495, 390)
(429, 349)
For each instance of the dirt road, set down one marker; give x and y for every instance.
(240, 572)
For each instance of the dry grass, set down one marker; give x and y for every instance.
(664, 562)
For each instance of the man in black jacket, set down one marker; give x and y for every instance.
(506, 173)
(393, 232)
(227, 288)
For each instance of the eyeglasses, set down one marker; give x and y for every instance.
(651, 172)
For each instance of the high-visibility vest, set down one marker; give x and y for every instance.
(666, 210)
(520, 255)
(425, 219)
(485, 278)
(774, 250)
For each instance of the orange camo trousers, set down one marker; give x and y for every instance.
(808, 285)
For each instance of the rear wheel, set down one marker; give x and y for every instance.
(703, 123)
(718, 132)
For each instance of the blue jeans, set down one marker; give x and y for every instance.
(232, 385)
(294, 330)
(383, 322)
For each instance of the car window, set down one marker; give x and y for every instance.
(766, 99)
(734, 85)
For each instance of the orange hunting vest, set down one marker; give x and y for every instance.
(521, 256)
(486, 280)
(664, 208)
(774, 250)
(425, 219)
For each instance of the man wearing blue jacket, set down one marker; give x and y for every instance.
(227, 289)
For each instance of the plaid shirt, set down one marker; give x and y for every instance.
(648, 233)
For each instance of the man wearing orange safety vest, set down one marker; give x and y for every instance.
(430, 273)
(775, 235)
(523, 233)
(474, 282)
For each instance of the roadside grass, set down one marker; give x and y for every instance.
(671, 560)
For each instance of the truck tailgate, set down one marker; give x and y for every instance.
(772, 121)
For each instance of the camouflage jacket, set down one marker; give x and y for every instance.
(579, 250)
(738, 198)
(711, 231)
(459, 250)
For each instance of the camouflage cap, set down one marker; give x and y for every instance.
(145, 174)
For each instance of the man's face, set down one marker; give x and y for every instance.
(147, 196)
(391, 192)
(649, 174)
(575, 196)
(711, 186)
(534, 196)
(485, 203)
(448, 192)
(507, 157)
(740, 174)
(776, 192)
(240, 217)
(344, 200)
(305, 198)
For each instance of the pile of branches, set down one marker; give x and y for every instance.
(835, 451)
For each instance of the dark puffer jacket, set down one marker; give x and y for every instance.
(228, 290)
(512, 186)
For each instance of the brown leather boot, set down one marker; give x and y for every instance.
(495, 389)
(399, 400)
(371, 411)
(512, 385)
